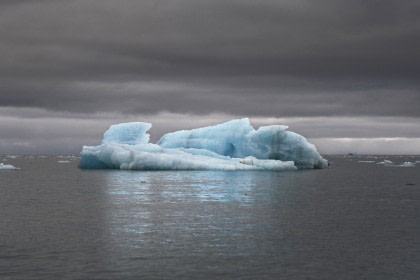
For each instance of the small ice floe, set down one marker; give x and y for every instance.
(67, 156)
(366, 161)
(408, 164)
(391, 164)
(71, 156)
(63, 161)
(385, 162)
(7, 167)
(11, 156)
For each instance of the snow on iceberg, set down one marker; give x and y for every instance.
(233, 145)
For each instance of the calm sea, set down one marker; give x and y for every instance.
(355, 220)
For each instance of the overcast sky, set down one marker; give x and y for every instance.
(345, 74)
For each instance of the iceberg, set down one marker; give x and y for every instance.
(233, 145)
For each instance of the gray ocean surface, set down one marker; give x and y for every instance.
(355, 220)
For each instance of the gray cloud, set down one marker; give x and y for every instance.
(300, 58)
(253, 97)
(303, 38)
(26, 130)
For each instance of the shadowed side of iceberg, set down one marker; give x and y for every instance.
(234, 145)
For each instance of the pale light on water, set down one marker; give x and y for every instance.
(356, 220)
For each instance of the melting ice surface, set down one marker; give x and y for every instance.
(233, 145)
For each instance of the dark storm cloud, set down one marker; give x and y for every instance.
(304, 57)
(253, 97)
(259, 59)
(131, 38)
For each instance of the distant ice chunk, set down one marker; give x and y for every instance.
(7, 167)
(63, 161)
(385, 162)
(233, 145)
(392, 164)
(408, 164)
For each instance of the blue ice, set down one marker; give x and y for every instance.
(233, 145)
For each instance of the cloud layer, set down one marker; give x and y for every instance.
(343, 64)
(28, 130)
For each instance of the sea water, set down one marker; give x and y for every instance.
(355, 220)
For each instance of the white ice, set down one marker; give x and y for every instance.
(408, 164)
(392, 164)
(7, 167)
(234, 145)
(385, 162)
